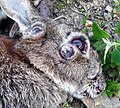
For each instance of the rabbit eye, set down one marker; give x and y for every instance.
(77, 43)
(68, 52)
(36, 30)
(80, 44)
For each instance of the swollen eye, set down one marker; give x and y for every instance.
(68, 52)
(80, 44)
(77, 43)
(36, 30)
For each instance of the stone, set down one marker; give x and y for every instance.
(108, 8)
(108, 13)
(119, 94)
(102, 102)
(115, 102)
(88, 23)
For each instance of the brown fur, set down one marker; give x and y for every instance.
(22, 86)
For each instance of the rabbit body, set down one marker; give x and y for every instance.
(22, 86)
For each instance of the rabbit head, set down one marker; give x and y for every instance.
(67, 58)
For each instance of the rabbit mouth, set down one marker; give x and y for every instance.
(94, 88)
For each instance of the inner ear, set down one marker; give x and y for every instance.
(15, 32)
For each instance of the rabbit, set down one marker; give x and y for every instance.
(67, 58)
(40, 72)
(21, 84)
(62, 55)
(64, 40)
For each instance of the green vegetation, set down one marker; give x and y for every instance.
(112, 88)
(61, 4)
(65, 105)
(109, 53)
(118, 28)
(117, 5)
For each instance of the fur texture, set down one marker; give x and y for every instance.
(23, 86)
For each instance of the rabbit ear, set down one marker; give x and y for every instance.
(21, 11)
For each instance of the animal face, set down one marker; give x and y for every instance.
(66, 57)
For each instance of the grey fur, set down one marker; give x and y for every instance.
(23, 86)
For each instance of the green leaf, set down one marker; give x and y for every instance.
(106, 67)
(65, 105)
(115, 55)
(113, 74)
(117, 30)
(99, 45)
(116, 1)
(118, 86)
(112, 65)
(118, 68)
(98, 32)
(118, 9)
